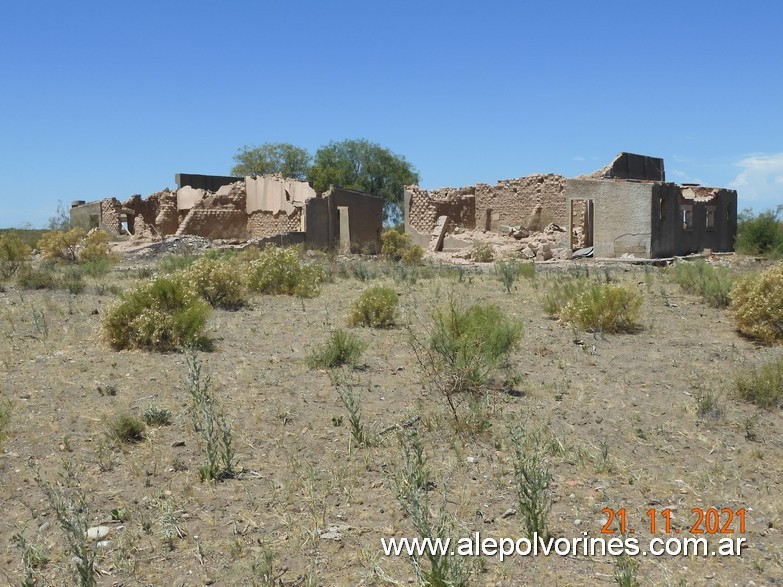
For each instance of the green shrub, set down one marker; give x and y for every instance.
(96, 248)
(398, 246)
(158, 315)
(760, 234)
(126, 429)
(281, 271)
(177, 261)
(757, 305)
(469, 343)
(508, 271)
(342, 348)
(560, 292)
(375, 307)
(5, 418)
(482, 253)
(45, 277)
(698, 277)
(59, 245)
(13, 253)
(762, 385)
(72, 281)
(603, 308)
(156, 416)
(97, 268)
(218, 282)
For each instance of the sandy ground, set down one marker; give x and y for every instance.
(617, 413)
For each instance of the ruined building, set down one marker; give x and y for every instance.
(625, 209)
(266, 208)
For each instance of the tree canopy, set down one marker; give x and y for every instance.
(283, 158)
(365, 166)
(354, 163)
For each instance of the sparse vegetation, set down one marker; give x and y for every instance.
(157, 416)
(345, 389)
(95, 249)
(761, 385)
(508, 271)
(532, 478)
(159, 315)
(5, 418)
(342, 348)
(125, 429)
(698, 277)
(464, 347)
(375, 307)
(757, 305)
(210, 423)
(13, 253)
(61, 245)
(69, 504)
(412, 485)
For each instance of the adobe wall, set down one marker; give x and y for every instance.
(365, 217)
(215, 223)
(110, 216)
(621, 215)
(86, 215)
(261, 224)
(535, 199)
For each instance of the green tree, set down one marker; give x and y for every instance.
(361, 165)
(284, 158)
(760, 234)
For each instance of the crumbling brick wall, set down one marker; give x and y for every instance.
(262, 224)
(424, 208)
(167, 220)
(533, 201)
(110, 216)
(215, 223)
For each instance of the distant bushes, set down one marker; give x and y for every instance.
(13, 253)
(760, 234)
(698, 277)
(60, 245)
(398, 246)
(158, 315)
(757, 305)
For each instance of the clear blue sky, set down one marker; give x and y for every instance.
(113, 98)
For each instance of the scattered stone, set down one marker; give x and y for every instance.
(98, 532)
(577, 522)
(508, 513)
(103, 544)
(43, 527)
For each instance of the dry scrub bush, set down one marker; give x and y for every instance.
(59, 245)
(125, 429)
(713, 284)
(464, 347)
(483, 253)
(398, 246)
(13, 253)
(603, 308)
(757, 305)
(281, 271)
(219, 282)
(375, 307)
(159, 315)
(597, 307)
(762, 385)
(95, 248)
(342, 348)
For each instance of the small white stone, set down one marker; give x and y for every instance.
(98, 532)
(103, 544)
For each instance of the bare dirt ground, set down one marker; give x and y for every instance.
(618, 413)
